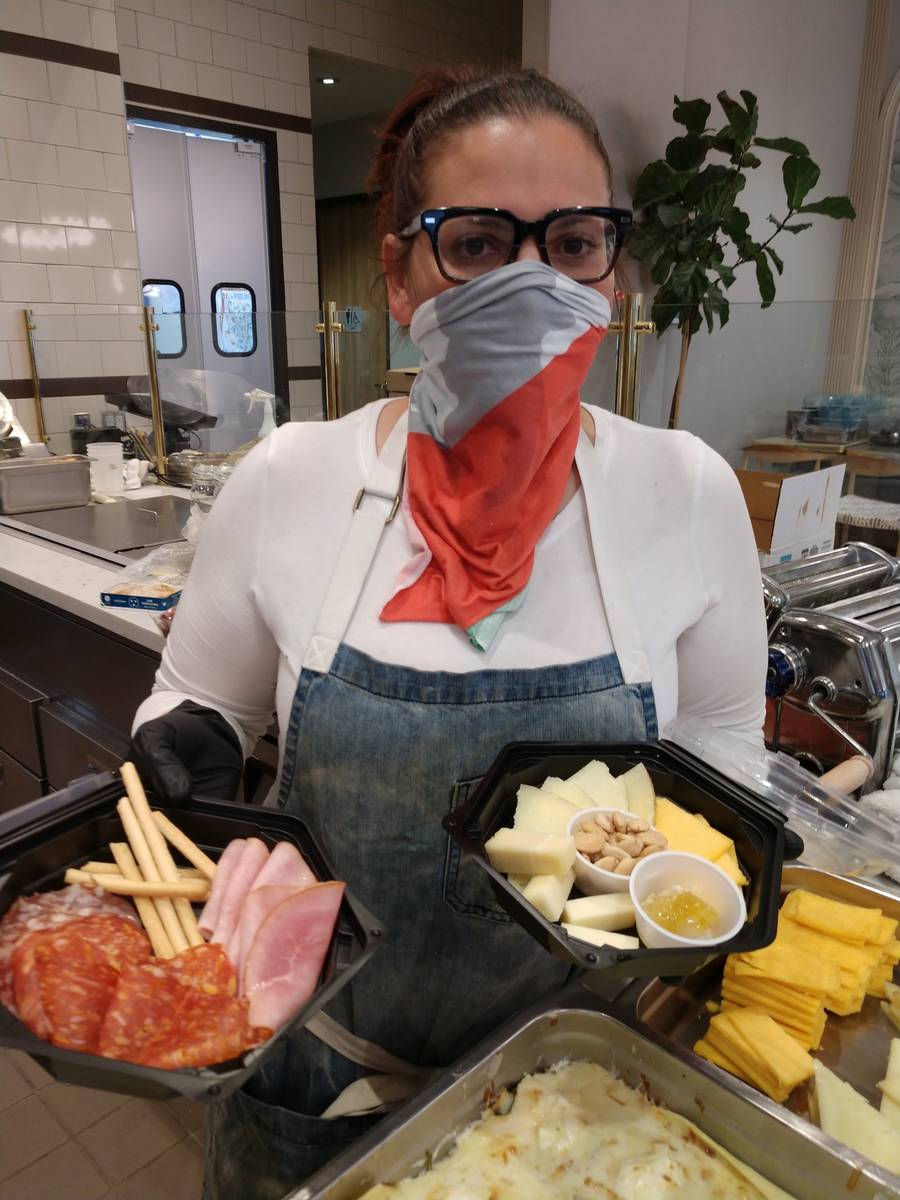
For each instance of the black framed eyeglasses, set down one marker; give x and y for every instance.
(581, 242)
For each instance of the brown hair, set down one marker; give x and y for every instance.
(443, 101)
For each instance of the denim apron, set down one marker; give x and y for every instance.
(375, 754)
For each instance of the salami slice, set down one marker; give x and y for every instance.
(66, 977)
(179, 1012)
(47, 910)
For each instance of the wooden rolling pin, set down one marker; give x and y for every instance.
(849, 775)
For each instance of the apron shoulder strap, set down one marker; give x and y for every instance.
(375, 507)
(615, 588)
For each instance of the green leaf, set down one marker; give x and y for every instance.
(838, 207)
(738, 118)
(661, 268)
(712, 173)
(671, 214)
(785, 145)
(779, 265)
(692, 114)
(800, 176)
(647, 240)
(735, 224)
(752, 108)
(725, 141)
(719, 199)
(686, 153)
(662, 315)
(750, 160)
(765, 280)
(656, 182)
(725, 273)
(796, 228)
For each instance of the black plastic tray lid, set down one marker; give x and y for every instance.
(757, 831)
(41, 840)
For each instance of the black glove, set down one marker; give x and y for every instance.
(191, 751)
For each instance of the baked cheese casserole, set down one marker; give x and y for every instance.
(576, 1132)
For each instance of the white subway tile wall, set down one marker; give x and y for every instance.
(67, 246)
(67, 243)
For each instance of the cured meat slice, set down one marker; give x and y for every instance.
(284, 963)
(285, 870)
(47, 910)
(65, 977)
(246, 868)
(259, 903)
(179, 1012)
(230, 855)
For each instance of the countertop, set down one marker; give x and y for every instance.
(72, 581)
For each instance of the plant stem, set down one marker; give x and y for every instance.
(675, 410)
(778, 230)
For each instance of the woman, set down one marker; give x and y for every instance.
(555, 573)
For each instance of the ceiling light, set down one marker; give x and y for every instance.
(328, 80)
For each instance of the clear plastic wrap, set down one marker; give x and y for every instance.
(153, 582)
(846, 837)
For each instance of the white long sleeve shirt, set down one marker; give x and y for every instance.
(273, 536)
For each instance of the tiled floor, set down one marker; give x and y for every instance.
(59, 1142)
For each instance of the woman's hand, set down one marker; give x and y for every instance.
(191, 751)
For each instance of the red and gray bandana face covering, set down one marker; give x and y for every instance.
(493, 424)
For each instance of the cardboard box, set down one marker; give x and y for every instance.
(400, 379)
(792, 516)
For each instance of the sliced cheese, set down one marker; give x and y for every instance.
(569, 791)
(890, 1085)
(848, 1116)
(684, 832)
(641, 795)
(728, 862)
(602, 937)
(541, 812)
(609, 912)
(604, 789)
(549, 893)
(519, 852)
(519, 882)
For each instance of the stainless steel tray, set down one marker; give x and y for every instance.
(855, 1047)
(778, 1144)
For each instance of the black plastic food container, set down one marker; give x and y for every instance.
(757, 831)
(41, 840)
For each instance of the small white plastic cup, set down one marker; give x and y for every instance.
(106, 467)
(669, 868)
(591, 879)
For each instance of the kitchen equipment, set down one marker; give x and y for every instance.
(756, 829)
(785, 1149)
(34, 484)
(41, 840)
(833, 682)
(855, 1047)
(180, 465)
(831, 432)
(117, 532)
(10, 447)
(823, 578)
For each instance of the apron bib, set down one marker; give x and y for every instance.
(375, 755)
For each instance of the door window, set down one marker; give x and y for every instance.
(234, 319)
(166, 299)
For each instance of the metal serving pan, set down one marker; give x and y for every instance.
(40, 840)
(778, 1144)
(855, 1047)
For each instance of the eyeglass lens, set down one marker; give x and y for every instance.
(578, 245)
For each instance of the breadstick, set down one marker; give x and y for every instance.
(125, 863)
(111, 868)
(195, 889)
(182, 842)
(159, 850)
(141, 851)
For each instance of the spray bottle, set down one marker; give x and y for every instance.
(267, 400)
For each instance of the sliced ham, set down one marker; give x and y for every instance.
(285, 871)
(247, 866)
(259, 903)
(285, 961)
(224, 867)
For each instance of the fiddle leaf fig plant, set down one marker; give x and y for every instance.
(693, 234)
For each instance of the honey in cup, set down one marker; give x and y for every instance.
(681, 911)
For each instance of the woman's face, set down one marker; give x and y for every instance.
(528, 167)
